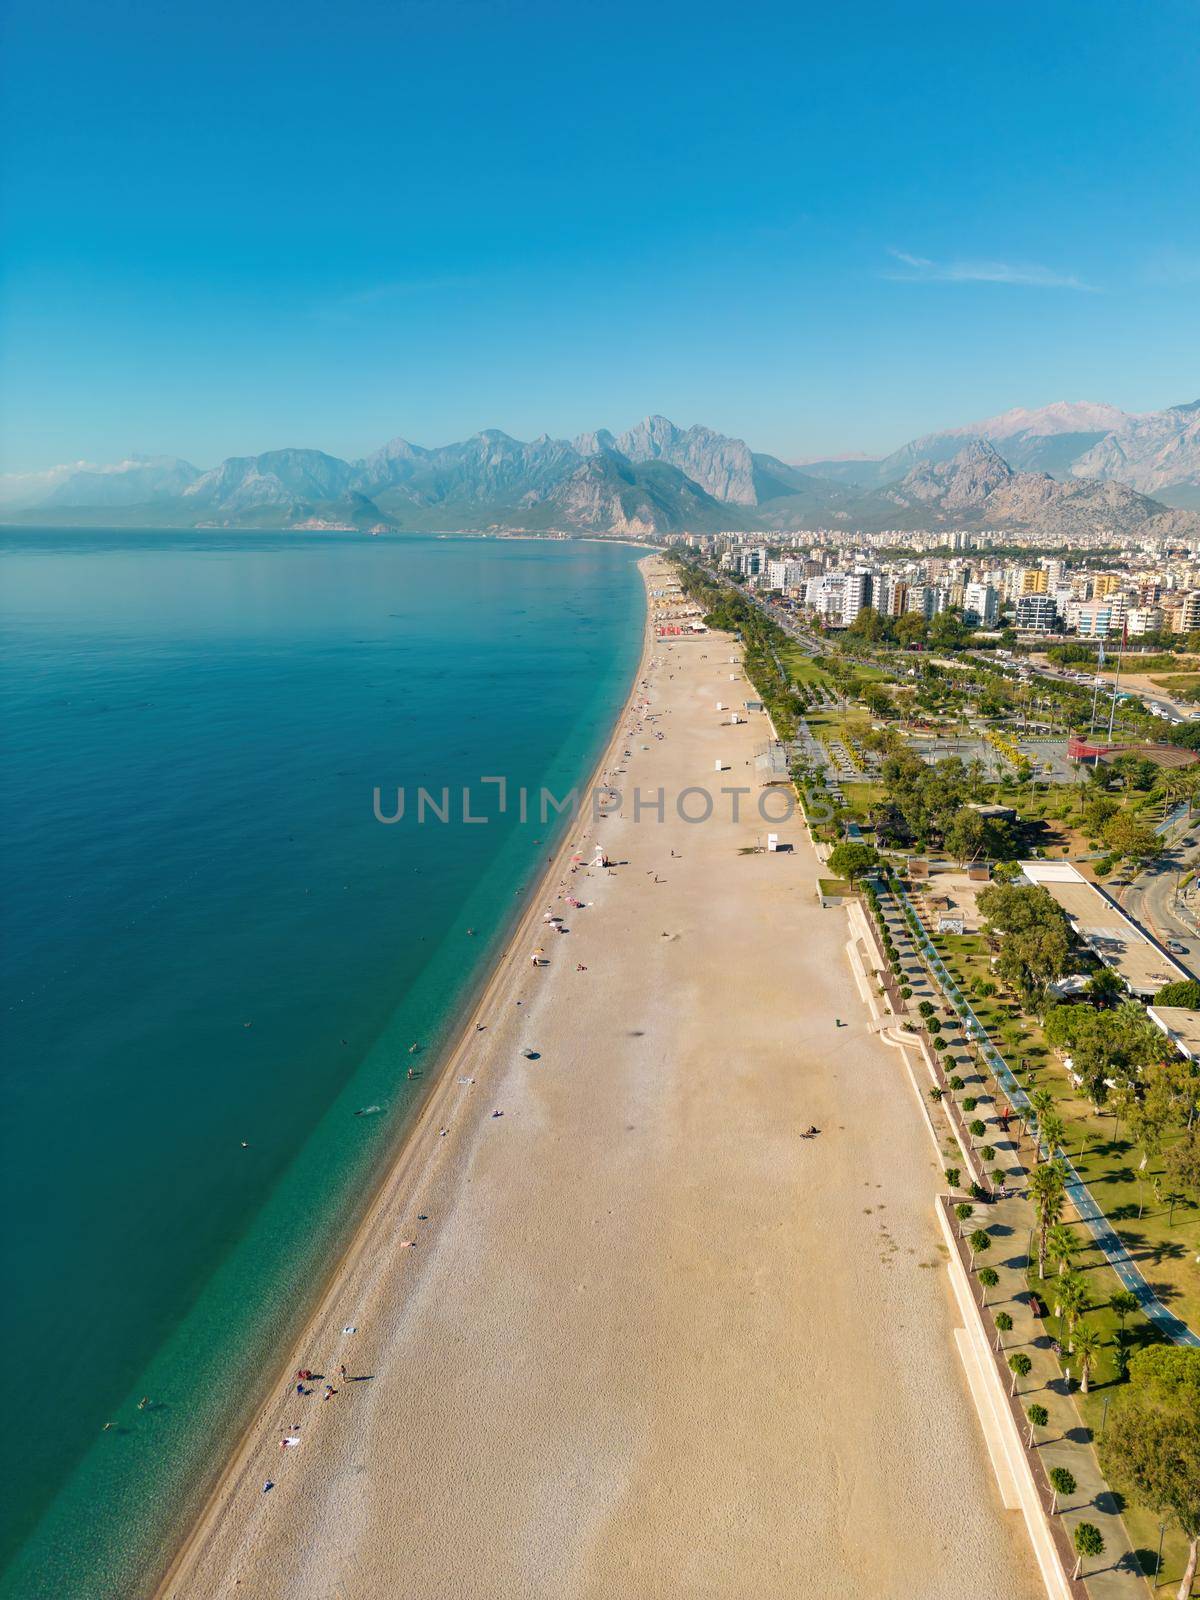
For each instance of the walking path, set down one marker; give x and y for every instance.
(1064, 1442)
(1171, 1326)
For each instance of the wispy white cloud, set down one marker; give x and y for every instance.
(1025, 274)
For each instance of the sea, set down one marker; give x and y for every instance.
(216, 956)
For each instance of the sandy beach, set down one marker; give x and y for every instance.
(646, 1341)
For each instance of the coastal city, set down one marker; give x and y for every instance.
(1149, 594)
(601, 723)
(996, 757)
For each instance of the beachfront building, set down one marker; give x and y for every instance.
(891, 596)
(784, 574)
(927, 600)
(1143, 619)
(838, 597)
(1099, 923)
(981, 604)
(1033, 580)
(1097, 619)
(1036, 613)
(1182, 614)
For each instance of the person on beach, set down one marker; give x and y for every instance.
(330, 1391)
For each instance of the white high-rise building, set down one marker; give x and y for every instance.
(856, 595)
(980, 604)
(927, 600)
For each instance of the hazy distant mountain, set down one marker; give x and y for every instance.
(727, 468)
(979, 488)
(489, 468)
(124, 483)
(1156, 453)
(655, 478)
(611, 493)
(289, 481)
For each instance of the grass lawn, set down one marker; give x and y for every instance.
(1102, 1283)
(1018, 1036)
(1183, 685)
(860, 797)
(802, 668)
(834, 887)
(1163, 1248)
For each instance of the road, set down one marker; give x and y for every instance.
(1151, 898)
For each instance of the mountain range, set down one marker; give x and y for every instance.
(1064, 470)
(1157, 452)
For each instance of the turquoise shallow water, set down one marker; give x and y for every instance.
(193, 727)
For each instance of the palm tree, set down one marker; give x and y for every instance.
(1046, 1190)
(1173, 784)
(1061, 1245)
(1124, 1304)
(1053, 1131)
(1072, 1298)
(1042, 1102)
(1088, 1345)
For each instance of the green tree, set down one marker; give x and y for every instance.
(1184, 993)
(1062, 1246)
(1062, 1481)
(1151, 1444)
(1088, 1345)
(911, 628)
(1118, 1043)
(852, 859)
(1047, 1190)
(1020, 1366)
(1034, 936)
(1088, 1541)
(979, 1241)
(878, 701)
(1132, 840)
(967, 836)
(1053, 1131)
(1097, 811)
(1038, 1418)
(946, 631)
(1183, 1167)
(1124, 1304)
(1149, 1123)
(1070, 1295)
(1105, 988)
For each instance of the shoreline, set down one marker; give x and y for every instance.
(395, 1166)
(651, 1341)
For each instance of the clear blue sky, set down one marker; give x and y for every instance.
(234, 226)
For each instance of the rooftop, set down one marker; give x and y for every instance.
(1105, 928)
(1181, 1026)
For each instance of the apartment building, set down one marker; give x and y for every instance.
(1037, 613)
(981, 605)
(1140, 620)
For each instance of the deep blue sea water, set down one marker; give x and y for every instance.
(209, 939)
